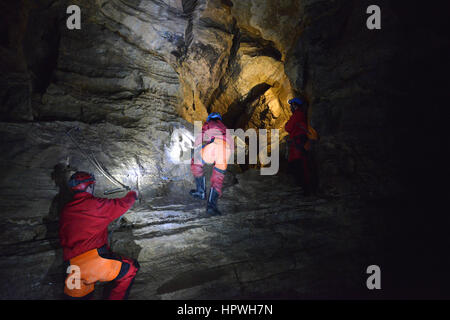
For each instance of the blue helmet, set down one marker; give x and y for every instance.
(296, 100)
(214, 116)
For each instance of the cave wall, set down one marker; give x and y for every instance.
(145, 68)
(370, 91)
(346, 71)
(149, 64)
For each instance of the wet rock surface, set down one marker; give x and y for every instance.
(270, 242)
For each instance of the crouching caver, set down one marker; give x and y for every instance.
(83, 235)
(213, 146)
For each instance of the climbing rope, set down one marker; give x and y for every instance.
(93, 160)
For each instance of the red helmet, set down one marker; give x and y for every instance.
(80, 180)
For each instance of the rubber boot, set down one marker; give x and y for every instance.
(212, 203)
(200, 192)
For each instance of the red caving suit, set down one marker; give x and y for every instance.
(215, 147)
(83, 233)
(297, 128)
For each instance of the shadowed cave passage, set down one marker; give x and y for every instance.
(129, 85)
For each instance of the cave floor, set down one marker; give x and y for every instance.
(270, 242)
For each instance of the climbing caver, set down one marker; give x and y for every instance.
(212, 146)
(83, 235)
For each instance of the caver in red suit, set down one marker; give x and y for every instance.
(297, 127)
(213, 146)
(83, 234)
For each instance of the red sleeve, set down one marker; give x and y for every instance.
(114, 208)
(289, 126)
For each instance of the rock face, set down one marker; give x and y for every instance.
(128, 86)
(268, 245)
(345, 69)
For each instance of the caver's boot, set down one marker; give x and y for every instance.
(212, 203)
(200, 192)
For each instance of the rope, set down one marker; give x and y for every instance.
(97, 164)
